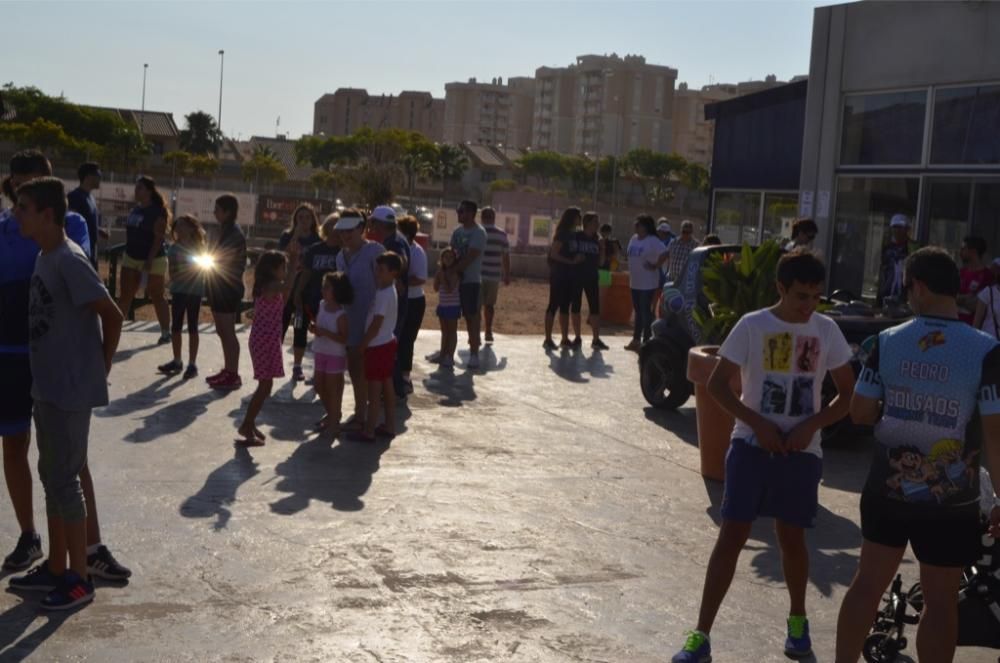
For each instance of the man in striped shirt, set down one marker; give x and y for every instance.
(496, 267)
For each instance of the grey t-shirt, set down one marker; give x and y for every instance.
(464, 239)
(67, 355)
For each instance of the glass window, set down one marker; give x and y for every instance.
(886, 128)
(735, 216)
(780, 210)
(948, 213)
(864, 207)
(965, 125)
(986, 215)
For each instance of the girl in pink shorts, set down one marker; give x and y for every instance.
(330, 347)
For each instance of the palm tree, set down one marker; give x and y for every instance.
(451, 164)
(202, 134)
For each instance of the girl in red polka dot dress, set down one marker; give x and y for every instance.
(265, 339)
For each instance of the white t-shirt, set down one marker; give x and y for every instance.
(384, 305)
(418, 270)
(328, 320)
(991, 297)
(782, 368)
(640, 251)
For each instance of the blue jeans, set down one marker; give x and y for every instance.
(642, 304)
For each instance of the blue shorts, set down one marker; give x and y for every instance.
(449, 312)
(761, 484)
(470, 296)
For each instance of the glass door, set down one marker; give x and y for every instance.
(986, 214)
(949, 203)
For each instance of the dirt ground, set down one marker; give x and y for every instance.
(520, 309)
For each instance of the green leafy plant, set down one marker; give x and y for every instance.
(736, 284)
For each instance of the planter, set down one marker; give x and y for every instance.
(715, 425)
(616, 300)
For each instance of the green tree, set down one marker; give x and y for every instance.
(580, 171)
(263, 168)
(326, 152)
(419, 157)
(203, 165)
(451, 164)
(544, 166)
(653, 171)
(179, 161)
(324, 180)
(202, 135)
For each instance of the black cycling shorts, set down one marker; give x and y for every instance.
(939, 536)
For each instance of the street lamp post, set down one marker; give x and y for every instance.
(222, 62)
(142, 113)
(597, 168)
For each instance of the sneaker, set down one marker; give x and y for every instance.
(211, 379)
(104, 565)
(488, 338)
(27, 551)
(191, 372)
(164, 338)
(798, 644)
(434, 357)
(297, 374)
(473, 362)
(697, 649)
(229, 382)
(447, 362)
(71, 592)
(549, 345)
(598, 344)
(566, 344)
(38, 579)
(172, 367)
(577, 343)
(633, 346)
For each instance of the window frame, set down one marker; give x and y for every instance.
(929, 137)
(924, 151)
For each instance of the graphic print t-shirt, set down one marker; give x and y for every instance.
(934, 377)
(640, 251)
(782, 367)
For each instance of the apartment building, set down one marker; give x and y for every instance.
(604, 104)
(348, 109)
(494, 113)
(693, 135)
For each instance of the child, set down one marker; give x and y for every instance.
(70, 362)
(265, 339)
(774, 463)
(330, 347)
(379, 349)
(449, 308)
(187, 286)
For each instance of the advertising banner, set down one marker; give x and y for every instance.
(542, 227)
(276, 211)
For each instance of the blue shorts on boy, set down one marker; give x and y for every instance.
(782, 368)
(67, 362)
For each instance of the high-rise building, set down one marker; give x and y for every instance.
(604, 104)
(693, 135)
(348, 109)
(491, 113)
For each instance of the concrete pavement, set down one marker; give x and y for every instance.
(531, 511)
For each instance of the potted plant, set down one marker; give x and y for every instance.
(734, 284)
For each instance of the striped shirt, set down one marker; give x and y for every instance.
(449, 297)
(497, 246)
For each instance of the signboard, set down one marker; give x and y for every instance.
(806, 204)
(823, 205)
(542, 227)
(508, 222)
(276, 211)
(445, 222)
(201, 203)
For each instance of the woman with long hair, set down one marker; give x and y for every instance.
(302, 233)
(145, 252)
(187, 287)
(646, 255)
(589, 244)
(225, 289)
(563, 259)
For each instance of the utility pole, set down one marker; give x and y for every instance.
(142, 113)
(222, 63)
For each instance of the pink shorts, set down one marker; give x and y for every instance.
(331, 364)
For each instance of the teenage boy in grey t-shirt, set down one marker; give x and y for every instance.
(74, 327)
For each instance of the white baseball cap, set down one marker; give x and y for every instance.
(899, 221)
(384, 214)
(348, 222)
(663, 228)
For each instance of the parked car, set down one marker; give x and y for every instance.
(663, 359)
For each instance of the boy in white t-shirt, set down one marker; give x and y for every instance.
(379, 348)
(774, 465)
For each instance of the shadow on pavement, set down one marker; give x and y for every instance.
(455, 389)
(16, 620)
(489, 362)
(219, 492)
(149, 396)
(572, 366)
(830, 563)
(173, 418)
(681, 422)
(339, 475)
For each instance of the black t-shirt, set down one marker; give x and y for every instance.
(304, 242)
(230, 253)
(139, 232)
(397, 244)
(590, 247)
(82, 203)
(319, 259)
(567, 251)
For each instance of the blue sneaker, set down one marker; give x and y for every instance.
(72, 591)
(38, 579)
(798, 644)
(697, 649)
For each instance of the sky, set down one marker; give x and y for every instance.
(280, 57)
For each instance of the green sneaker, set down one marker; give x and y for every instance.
(697, 649)
(798, 644)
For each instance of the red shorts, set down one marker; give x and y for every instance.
(379, 361)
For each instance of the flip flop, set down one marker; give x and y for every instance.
(247, 442)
